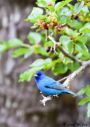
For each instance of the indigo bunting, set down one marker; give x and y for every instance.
(49, 86)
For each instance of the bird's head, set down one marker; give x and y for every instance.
(39, 75)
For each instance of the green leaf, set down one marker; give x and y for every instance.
(67, 43)
(27, 75)
(34, 38)
(78, 55)
(41, 51)
(75, 24)
(51, 8)
(68, 31)
(40, 62)
(19, 52)
(83, 101)
(71, 7)
(85, 28)
(61, 4)
(81, 92)
(29, 53)
(85, 9)
(51, 64)
(63, 19)
(87, 90)
(73, 66)
(88, 110)
(41, 3)
(48, 44)
(33, 27)
(13, 43)
(35, 15)
(59, 68)
(78, 7)
(81, 47)
(64, 11)
(64, 39)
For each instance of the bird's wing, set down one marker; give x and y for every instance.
(55, 85)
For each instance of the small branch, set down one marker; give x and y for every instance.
(47, 34)
(63, 79)
(69, 56)
(73, 49)
(74, 74)
(45, 99)
(51, 38)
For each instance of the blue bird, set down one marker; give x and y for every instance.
(49, 86)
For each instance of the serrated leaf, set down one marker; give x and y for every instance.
(83, 101)
(78, 7)
(64, 11)
(41, 3)
(51, 64)
(32, 27)
(19, 52)
(59, 68)
(63, 19)
(27, 75)
(13, 43)
(64, 39)
(61, 4)
(41, 51)
(35, 15)
(75, 24)
(87, 90)
(40, 62)
(34, 38)
(68, 31)
(29, 53)
(85, 28)
(81, 92)
(81, 47)
(73, 66)
(48, 44)
(51, 8)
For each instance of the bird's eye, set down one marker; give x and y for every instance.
(39, 74)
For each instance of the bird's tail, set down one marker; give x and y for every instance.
(70, 92)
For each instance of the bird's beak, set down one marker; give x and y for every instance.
(35, 75)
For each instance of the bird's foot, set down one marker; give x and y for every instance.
(45, 99)
(56, 96)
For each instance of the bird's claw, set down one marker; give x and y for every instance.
(45, 99)
(56, 96)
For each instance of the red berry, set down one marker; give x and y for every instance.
(41, 21)
(45, 27)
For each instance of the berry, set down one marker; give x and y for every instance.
(40, 21)
(76, 17)
(43, 24)
(45, 27)
(35, 24)
(58, 24)
(48, 49)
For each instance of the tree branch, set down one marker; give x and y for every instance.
(74, 74)
(69, 56)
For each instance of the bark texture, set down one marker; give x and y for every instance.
(19, 102)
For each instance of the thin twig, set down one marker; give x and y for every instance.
(47, 34)
(69, 56)
(51, 38)
(63, 79)
(75, 73)
(73, 49)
